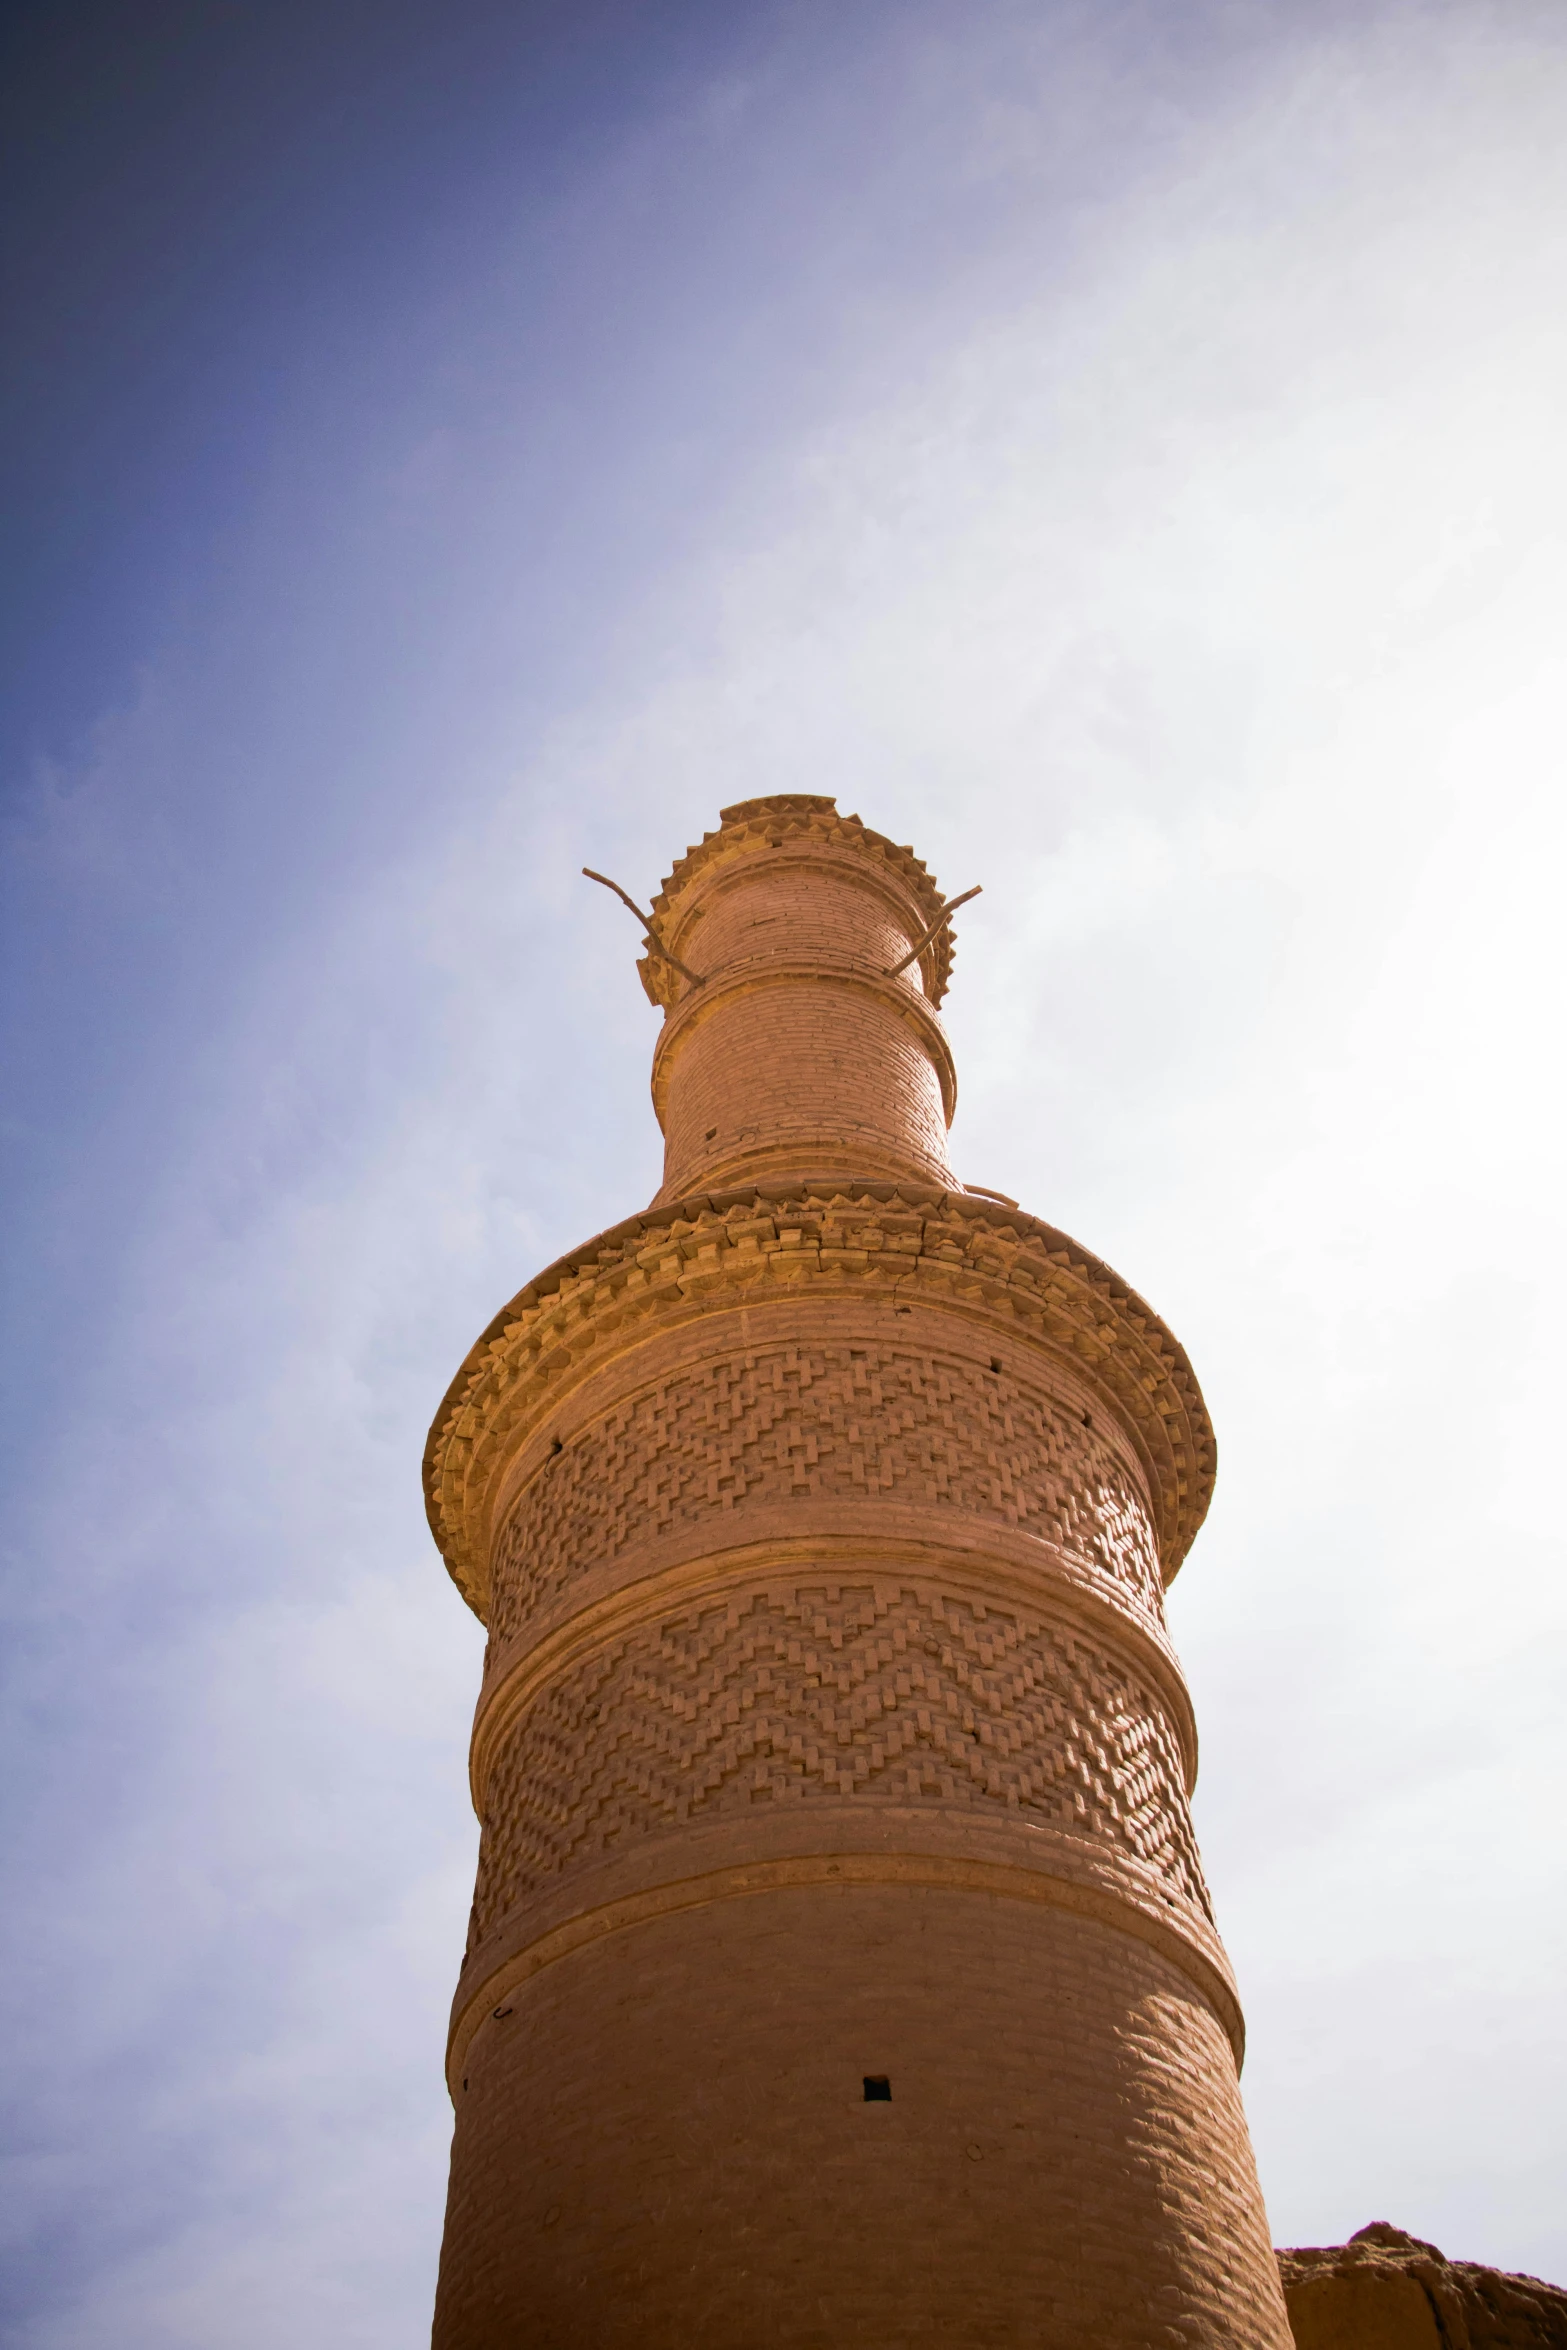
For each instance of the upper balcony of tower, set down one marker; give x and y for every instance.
(789, 878)
(799, 959)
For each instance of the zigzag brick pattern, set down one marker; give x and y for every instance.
(816, 1423)
(830, 1740)
(876, 1691)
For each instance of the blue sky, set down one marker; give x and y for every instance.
(1115, 448)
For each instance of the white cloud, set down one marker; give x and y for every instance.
(1198, 591)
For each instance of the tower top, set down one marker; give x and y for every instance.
(805, 1086)
(798, 958)
(794, 821)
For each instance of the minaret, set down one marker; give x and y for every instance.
(841, 1969)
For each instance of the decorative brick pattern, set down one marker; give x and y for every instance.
(796, 1422)
(804, 911)
(783, 1498)
(992, 1264)
(878, 1691)
(791, 821)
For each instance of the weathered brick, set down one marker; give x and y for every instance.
(829, 1728)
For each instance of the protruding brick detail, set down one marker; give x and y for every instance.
(881, 1690)
(820, 1516)
(818, 1257)
(794, 821)
(799, 1049)
(894, 1424)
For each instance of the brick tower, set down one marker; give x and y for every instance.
(841, 1970)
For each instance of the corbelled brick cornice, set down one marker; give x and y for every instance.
(794, 820)
(720, 1250)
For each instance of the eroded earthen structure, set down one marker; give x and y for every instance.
(841, 1968)
(1385, 2290)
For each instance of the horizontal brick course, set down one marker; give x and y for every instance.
(883, 1691)
(722, 1438)
(666, 2140)
(829, 1728)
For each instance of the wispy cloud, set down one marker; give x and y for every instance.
(1126, 466)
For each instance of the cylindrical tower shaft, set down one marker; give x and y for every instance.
(841, 1969)
(799, 1050)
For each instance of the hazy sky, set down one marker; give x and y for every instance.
(1118, 449)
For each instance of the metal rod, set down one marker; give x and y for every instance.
(652, 938)
(945, 916)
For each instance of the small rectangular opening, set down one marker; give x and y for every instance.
(878, 2089)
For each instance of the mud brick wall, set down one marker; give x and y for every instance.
(841, 1969)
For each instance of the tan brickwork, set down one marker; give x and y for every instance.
(802, 1422)
(666, 2140)
(878, 1691)
(820, 1516)
(812, 1256)
(732, 1113)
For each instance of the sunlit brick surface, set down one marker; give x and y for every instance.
(667, 2142)
(793, 1423)
(881, 1691)
(820, 1516)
